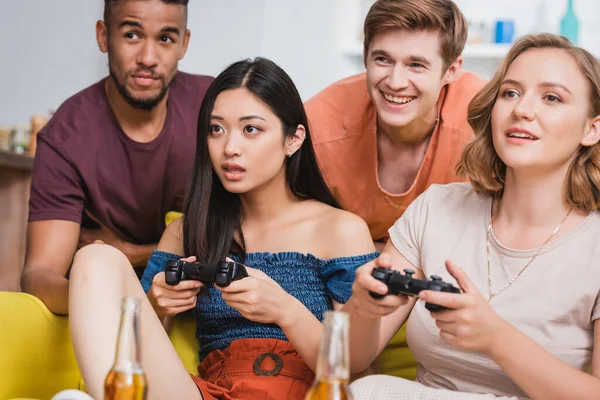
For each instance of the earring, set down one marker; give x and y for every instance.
(289, 155)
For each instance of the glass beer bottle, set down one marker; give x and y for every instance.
(126, 380)
(333, 364)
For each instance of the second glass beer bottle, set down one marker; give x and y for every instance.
(333, 364)
(126, 380)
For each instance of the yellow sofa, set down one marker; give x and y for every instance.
(37, 359)
(36, 354)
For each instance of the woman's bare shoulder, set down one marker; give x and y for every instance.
(347, 234)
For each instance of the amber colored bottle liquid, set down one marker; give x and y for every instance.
(333, 364)
(126, 380)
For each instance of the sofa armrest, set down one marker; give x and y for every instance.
(37, 358)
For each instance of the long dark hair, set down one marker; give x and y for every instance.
(212, 215)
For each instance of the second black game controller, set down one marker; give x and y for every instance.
(409, 286)
(221, 274)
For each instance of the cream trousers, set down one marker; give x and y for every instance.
(385, 387)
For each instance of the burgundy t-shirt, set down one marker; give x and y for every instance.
(84, 161)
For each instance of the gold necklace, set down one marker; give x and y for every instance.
(488, 234)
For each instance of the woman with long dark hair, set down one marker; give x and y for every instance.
(256, 196)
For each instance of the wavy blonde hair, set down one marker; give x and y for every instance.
(480, 162)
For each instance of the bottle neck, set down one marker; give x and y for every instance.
(334, 355)
(127, 356)
(570, 5)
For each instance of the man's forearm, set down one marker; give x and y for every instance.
(138, 255)
(49, 287)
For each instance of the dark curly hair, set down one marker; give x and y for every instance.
(109, 3)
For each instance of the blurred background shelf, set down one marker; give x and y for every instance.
(15, 178)
(15, 161)
(314, 56)
(486, 50)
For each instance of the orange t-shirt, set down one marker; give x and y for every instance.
(343, 123)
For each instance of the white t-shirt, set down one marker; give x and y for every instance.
(554, 302)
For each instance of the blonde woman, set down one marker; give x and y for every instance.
(521, 240)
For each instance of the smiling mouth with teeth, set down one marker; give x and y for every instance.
(398, 99)
(521, 135)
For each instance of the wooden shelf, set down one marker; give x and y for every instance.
(15, 181)
(15, 161)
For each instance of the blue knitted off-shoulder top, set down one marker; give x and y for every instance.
(313, 281)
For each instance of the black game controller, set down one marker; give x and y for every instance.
(221, 273)
(407, 285)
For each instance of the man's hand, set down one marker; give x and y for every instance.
(103, 234)
(137, 255)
